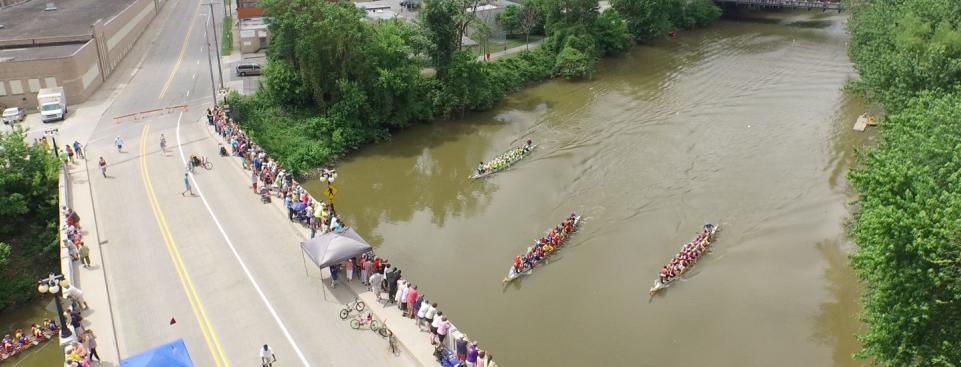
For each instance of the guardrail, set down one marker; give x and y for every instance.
(66, 262)
(808, 4)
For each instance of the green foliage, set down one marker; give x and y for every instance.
(907, 231)
(439, 19)
(531, 17)
(908, 54)
(573, 64)
(903, 48)
(611, 31)
(650, 19)
(510, 19)
(703, 12)
(563, 14)
(28, 216)
(646, 19)
(227, 37)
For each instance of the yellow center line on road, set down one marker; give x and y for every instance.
(213, 344)
(183, 49)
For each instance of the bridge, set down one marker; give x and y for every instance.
(795, 4)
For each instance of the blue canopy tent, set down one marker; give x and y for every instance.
(173, 354)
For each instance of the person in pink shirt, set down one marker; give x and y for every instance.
(411, 298)
(442, 328)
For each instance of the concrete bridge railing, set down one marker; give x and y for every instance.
(806, 4)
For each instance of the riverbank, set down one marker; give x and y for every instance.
(905, 223)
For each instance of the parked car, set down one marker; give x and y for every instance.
(12, 115)
(248, 69)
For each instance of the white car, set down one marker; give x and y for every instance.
(12, 115)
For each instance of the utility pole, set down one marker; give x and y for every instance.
(213, 84)
(213, 25)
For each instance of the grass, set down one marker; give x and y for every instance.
(227, 44)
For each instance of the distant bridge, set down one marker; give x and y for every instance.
(804, 4)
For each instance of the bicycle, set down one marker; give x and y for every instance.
(199, 161)
(391, 339)
(356, 304)
(361, 320)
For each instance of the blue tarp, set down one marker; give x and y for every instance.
(173, 354)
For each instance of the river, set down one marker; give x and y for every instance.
(743, 123)
(46, 354)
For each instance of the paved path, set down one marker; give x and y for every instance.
(513, 50)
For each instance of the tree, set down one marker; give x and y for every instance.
(530, 19)
(439, 21)
(907, 230)
(573, 64)
(611, 32)
(561, 14)
(903, 48)
(28, 216)
(646, 19)
(510, 19)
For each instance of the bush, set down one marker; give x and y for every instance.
(573, 64)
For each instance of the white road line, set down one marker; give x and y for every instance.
(198, 61)
(194, 77)
(188, 92)
(230, 244)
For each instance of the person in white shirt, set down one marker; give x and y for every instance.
(429, 314)
(76, 294)
(421, 312)
(375, 281)
(267, 356)
(401, 294)
(433, 327)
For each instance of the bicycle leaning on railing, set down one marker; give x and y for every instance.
(391, 339)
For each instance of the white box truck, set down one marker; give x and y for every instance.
(52, 103)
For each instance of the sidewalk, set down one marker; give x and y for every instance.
(513, 50)
(92, 280)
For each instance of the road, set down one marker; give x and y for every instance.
(226, 268)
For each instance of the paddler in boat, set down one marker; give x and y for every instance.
(480, 168)
(529, 146)
(665, 274)
(37, 332)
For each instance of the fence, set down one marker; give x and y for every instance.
(66, 262)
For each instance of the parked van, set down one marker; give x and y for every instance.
(248, 69)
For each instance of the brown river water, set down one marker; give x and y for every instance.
(743, 123)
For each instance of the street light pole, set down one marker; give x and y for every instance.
(213, 25)
(210, 65)
(49, 285)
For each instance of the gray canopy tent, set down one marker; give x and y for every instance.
(334, 248)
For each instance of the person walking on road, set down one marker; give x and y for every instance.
(103, 167)
(69, 151)
(267, 357)
(163, 144)
(78, 149)
(90, 340)
(119, 143)
(187, 188)
(84, 255)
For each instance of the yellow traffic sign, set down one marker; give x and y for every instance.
(330, 193)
